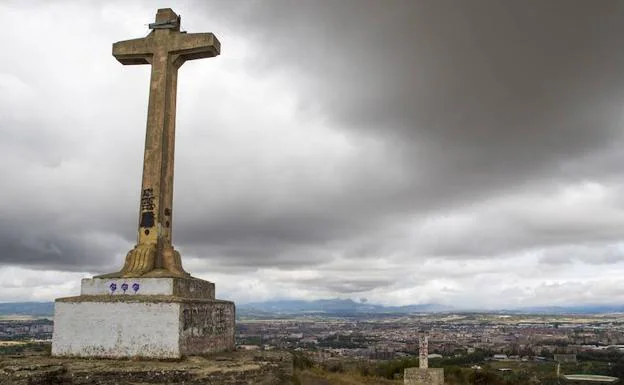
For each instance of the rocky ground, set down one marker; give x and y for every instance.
(236, 368)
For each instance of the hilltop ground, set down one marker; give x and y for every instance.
(235, 368)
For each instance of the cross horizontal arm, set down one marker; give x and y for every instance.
(195, 46)
(135, 51)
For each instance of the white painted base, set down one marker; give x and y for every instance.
(116, 329)
(178, 287)
(121, 327)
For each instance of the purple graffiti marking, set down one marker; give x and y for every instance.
(113, 287)
(135, 287)
(124, 287)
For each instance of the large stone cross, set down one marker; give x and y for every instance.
(166, 49)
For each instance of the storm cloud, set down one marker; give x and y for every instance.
(405, 151)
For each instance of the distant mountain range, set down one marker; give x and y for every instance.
(337, 307)
(27, 308)
(334, 307)
(349, 307)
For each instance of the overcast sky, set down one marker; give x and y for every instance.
(467, 153)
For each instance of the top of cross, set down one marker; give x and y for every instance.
(166, 38)
(166, 19)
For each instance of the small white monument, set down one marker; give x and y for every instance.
(423, 375)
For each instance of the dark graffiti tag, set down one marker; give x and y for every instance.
(220, 323)
(113, 286)
(147, 219)
(147, 208)
(147, 200)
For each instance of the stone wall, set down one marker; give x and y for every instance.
(206, 327)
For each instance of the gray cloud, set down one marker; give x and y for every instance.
(407, 132)
(479, 95)
(591, 254)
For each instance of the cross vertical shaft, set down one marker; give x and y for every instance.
(157, 186)
(166, 49)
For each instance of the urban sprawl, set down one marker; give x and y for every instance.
(512, 337)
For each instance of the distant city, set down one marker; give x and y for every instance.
(350, 329)
(350, 339)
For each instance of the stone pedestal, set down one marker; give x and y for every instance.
(143, 317)
(420, 376)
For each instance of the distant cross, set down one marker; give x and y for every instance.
(166, 49)
(423, 350)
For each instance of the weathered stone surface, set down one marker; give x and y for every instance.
(177, 287)
(236, 368)
(141, 326)
(206, 327)
(165, 48)
(420, 376)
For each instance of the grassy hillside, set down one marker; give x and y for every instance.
(320, 377)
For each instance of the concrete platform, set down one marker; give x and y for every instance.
(233, 368)
(178, 287)
(143, 318)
